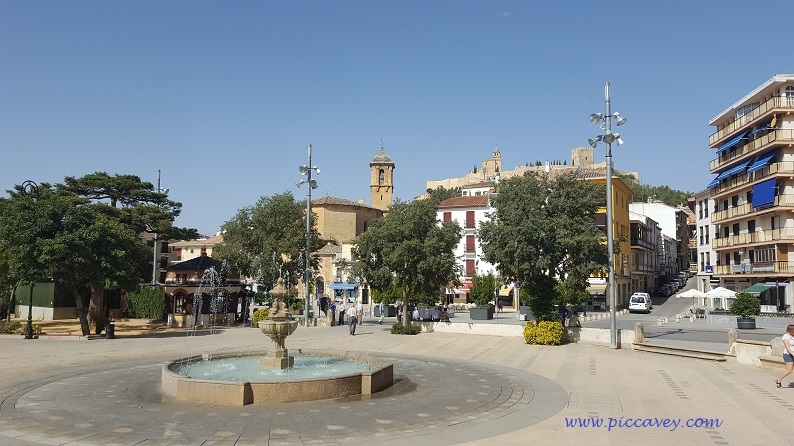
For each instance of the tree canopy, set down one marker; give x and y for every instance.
(268, 240)
(665, 194)
(408, 248)
(541, 231)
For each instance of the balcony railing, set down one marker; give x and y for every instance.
(775, 136)
(769, 235)
(693, 244)
(768, 106)
(756, 268)
(784, 167)
(747, 208)
(636, 241)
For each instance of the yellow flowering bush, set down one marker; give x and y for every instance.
(543, 333)
(261, 314)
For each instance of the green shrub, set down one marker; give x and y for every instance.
(483, 289)
(746, 304)
(18, 328)
(543, 333)
(297, 305)
(405, 329)
(260, 314)
(146, 303)
(9, 327)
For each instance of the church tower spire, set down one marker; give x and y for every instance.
(381, 180)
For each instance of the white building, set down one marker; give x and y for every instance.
(706, 256)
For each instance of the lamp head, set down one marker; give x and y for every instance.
(313, 184)
(300, 183)
(609, 138)
(317, 170)
(593, 143)
(303, 169)
(596, 117)
(620, 120)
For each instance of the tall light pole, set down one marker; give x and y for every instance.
(30, 189)
(310, 184)
(608, 138)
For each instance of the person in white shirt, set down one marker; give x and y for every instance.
(382, 308)
(788, 354)
(352, 319)
(360, 312)
(415, 314)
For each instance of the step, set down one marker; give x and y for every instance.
(685, 352)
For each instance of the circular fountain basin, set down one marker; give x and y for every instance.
(237, 379)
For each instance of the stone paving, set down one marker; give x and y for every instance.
(450, 389)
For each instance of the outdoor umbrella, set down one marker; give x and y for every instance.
(721, 293)
(694, 294)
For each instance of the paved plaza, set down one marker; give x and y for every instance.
(449, 389)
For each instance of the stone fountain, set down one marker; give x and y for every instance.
(277, 329)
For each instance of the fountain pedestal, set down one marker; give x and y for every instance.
(278, 330)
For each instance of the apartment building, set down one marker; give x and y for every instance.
(674, 224)
(705, 256)
(468, 211)
(646, 241)
(753, 193)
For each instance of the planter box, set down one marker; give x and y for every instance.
(746, 323)
(481, 314)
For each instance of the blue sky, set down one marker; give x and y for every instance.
(225, 96)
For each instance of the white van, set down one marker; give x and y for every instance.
(640, 302)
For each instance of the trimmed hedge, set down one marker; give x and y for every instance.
(18, 328)
(146, 303)
(543, 333)
(399, 328)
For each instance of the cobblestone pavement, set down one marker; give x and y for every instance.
(449, 389)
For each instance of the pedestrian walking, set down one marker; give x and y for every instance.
(360, 312)
(382, 308)
(564, 313)
(788, 354)
(333, 312)
(341, 313)
(352, 319)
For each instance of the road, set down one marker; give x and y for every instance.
(698, 334)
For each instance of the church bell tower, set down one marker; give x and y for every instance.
(382, 180)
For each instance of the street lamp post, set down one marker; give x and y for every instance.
(608, 138)
(30, 189)
(310, 184)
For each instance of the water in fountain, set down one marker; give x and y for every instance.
(210, 284)
(243, 369)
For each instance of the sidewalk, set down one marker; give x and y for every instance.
(451, 389)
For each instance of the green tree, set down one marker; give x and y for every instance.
(408, 248)
(79, 245)
(268, 240)
(665, 194)
(542, 229)
(441, 193)
(483, 289)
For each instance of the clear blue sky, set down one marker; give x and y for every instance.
(225, 96)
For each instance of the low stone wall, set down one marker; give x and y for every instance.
(493, 329)
(599, 336)
(243, 393)
(749, 352)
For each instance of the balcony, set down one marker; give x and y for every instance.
(780, 136)
(693, 244)
(769, 235)
(776, 103)
(762, 268)
(747, 209)
(784, 167)
(636, 241)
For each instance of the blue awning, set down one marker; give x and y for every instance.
(762, 162)
(714, 182)
(735, 170)
(759, 130)
(343, 286)
(764, 193)
(732, 142)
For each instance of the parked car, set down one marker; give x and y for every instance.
(640, 302)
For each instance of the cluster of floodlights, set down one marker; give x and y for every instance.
(608, 137)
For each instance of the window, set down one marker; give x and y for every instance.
(178, 254)
(469, 268)
(203, 251)
(734, 201)
(469, 243)
(736, 229)
(706, 208)
(708, 259)
(381, 176)
(470, 219)
(447, 216)
(790, 93)
(746, 109)
(751, 226)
